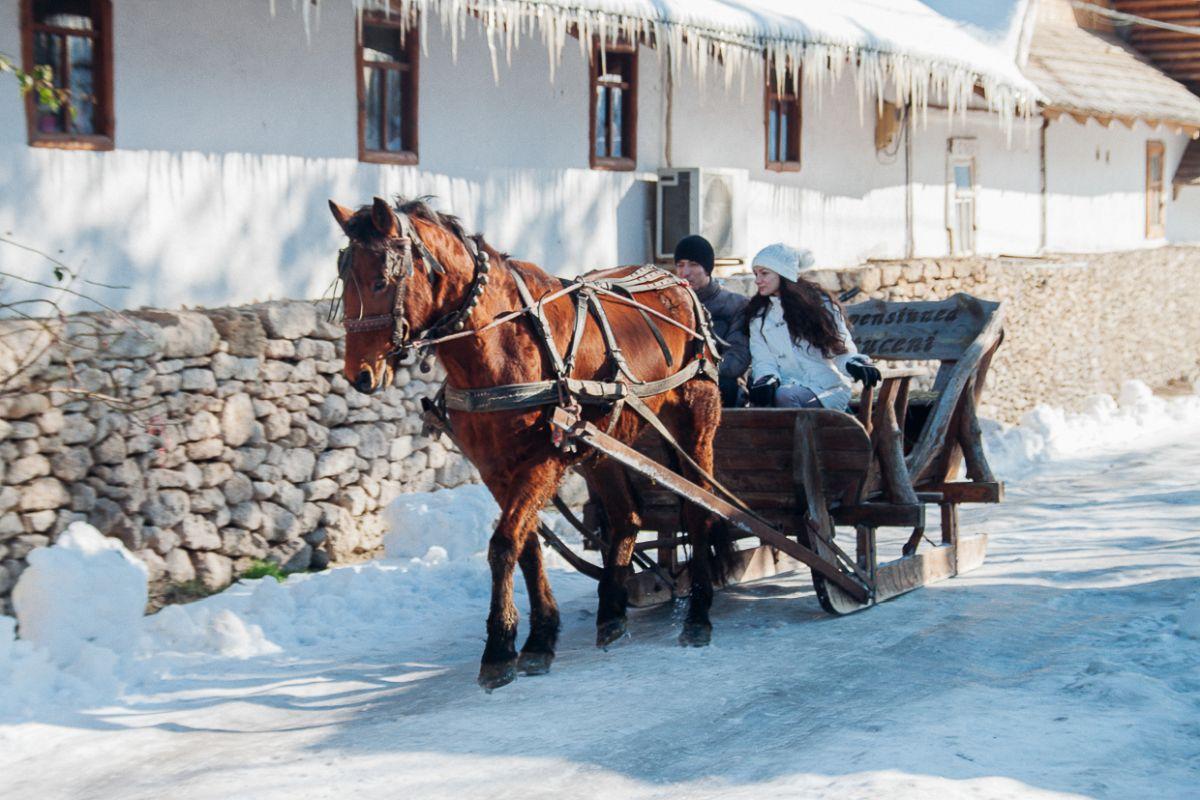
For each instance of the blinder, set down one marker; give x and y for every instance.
(399, 263)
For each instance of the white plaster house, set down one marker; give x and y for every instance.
(223, 127)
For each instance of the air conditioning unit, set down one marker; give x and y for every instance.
(708, 202)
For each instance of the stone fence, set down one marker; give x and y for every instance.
(206, 440)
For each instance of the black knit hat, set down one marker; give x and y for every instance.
(695, 248)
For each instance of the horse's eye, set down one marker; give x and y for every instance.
(380, 285)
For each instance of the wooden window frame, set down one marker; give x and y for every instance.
(412, 48)
(628, 162)
(101, 36)
(771, 96)
(1156, 228)
(962, 151)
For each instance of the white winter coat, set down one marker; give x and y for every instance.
(772, 352)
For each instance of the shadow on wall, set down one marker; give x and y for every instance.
(203, 229)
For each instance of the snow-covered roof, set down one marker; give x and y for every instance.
(1088, 73)
(896, 48)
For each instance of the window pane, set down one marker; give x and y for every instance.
(781, 145)
(373, 135)
(791, 142)
(382, 44)
(617, 99)
(47, 50)
(75, 14)
(962, 177)
(1156, 170)
(600, 148)
(395, 110)
(83, 90)
(773, 133)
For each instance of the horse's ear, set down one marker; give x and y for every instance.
(341, 214)
(384, 218)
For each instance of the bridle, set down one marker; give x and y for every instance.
(398, 268)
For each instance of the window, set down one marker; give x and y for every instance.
(1156, 208)
(613, 123)
(782, 121)
(388, 53)
(74, 39)
(960, 194)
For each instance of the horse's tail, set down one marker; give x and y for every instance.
(723, 549)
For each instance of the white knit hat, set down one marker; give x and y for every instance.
(784, 260)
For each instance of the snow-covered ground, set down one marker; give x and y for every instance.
(1068, 665)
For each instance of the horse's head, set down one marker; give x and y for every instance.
(398, 273)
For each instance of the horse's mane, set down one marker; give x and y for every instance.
(362, 229)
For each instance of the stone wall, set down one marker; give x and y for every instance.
(1075, 325)
(205, 440)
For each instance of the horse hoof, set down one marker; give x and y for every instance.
(695, 634)
(534, 663)
(493, 676)
(609, 632)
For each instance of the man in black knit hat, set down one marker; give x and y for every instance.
(694, 262)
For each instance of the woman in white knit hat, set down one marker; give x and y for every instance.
(801, 353)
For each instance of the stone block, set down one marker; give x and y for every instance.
(297, 465)
(241, 543)
(72, 464)
(43, 494)
(237, 420)
(238, 489)
(320, 489)
(162, 541)
(179, 567)
(246, 515)
(26, 469)
(199, 380)
(287, 320)
(206, 450)
(24, 405)
(166, 508)
(213, 570)
(241, 330)
(111, 450)
(334, 463)
(184, 334)
(198, 533)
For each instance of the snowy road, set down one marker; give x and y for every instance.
(1059, 668)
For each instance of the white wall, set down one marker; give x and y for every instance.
(232, 132)
(1097, 180)
(1008, 203)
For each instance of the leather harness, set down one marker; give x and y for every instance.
(561, 389)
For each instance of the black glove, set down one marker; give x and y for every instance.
(762, 391)
(864, 372)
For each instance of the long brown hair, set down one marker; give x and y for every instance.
(808, 311)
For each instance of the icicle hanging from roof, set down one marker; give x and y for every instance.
(907, 76)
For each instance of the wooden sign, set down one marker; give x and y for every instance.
(928, 330)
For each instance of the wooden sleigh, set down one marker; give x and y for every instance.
(798, 475)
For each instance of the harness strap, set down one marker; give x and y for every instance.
(540, 323)
(516, 396)
(581, 302)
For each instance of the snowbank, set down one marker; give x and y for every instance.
(459, 521)
(1051, 434)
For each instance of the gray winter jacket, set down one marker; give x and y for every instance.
(725, 308)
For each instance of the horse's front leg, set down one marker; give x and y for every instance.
(526, 492)
(538, 651)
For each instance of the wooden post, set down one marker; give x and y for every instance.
(866, 549)
(949, 523)
(970, 438)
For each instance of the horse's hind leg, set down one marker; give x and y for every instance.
(538, 650)
(523, 495)
(609, 483)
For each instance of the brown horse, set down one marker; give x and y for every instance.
(409, 267)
